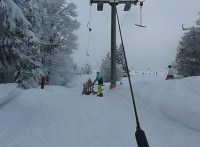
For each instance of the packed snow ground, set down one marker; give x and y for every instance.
(169, 113)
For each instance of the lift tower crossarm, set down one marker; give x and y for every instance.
(115, 1)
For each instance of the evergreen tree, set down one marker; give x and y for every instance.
(59, 24)
(31, 11)
(37, 38)
(120, 59)
(188, 53)
(63, 70)
(18, 42)
(105, 70)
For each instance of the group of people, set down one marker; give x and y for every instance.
(89, 85)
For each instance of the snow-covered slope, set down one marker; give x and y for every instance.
(58, 117)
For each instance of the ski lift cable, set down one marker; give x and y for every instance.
(139, 134)
(93, 48)
(106, 51)
(88, 48)
(136, 115)
(88, 43)
(90, 40)
(90, 12)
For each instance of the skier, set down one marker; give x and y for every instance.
(100, 84)
(42, 82)
(88, 88)
(170, 74)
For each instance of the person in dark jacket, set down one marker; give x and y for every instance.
(100, 84)
(42, 82)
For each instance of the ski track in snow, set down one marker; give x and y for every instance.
(8, 98)
(145, 99)
(182, 100)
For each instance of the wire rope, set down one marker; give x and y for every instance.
(106, 51)
(94, 52)
(139, 134)
(89, 32)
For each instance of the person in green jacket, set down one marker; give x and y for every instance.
(100, 84)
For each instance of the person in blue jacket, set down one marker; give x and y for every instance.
(100, 84)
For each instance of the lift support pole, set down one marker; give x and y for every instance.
(113, 45)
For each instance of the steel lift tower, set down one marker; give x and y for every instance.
(113, 4)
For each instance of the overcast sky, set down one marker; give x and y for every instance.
(152, 47)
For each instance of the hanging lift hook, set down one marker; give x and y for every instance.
(88, 25)
(185, 28)
(140, 25)
(87, 53)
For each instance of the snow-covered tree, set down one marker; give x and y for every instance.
(120, 59)
(18, 42)
(61, 68)
(188, 52)
(105, 70)
(59, 23)
(31, 11)
(37, 38)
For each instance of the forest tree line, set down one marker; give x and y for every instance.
(37, 38)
